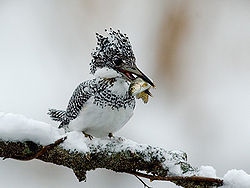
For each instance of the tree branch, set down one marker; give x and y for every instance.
(119, 155)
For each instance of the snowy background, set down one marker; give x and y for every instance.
(197, 52)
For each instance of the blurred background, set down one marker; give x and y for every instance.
(196, 51)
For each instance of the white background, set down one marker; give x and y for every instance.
(197, 52)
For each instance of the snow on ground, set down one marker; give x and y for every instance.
(15, 127)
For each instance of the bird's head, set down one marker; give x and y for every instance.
(114, 57)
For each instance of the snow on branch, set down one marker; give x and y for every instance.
(25, 139)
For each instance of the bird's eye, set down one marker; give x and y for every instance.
(118, 62)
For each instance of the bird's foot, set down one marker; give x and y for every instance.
(120, 139)
(88, 135)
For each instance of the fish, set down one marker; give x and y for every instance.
(140, 89)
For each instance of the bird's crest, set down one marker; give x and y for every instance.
(110, 48)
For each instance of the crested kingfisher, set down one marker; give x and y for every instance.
(103, 105)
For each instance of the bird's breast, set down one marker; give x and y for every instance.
(100, 120)
(114, 95)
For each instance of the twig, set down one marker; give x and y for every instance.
(145, 185)
(194, 179)
(41, 152)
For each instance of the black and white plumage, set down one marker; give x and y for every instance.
(103, 105)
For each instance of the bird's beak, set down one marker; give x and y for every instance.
(129, 71)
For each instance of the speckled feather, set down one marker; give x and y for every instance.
(116, 45)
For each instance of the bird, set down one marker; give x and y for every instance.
(101, 106)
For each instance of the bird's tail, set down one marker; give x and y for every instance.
(57, 115)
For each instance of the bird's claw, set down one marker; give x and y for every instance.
(110, 135)
(120, 139)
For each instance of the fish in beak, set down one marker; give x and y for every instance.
(131, 72)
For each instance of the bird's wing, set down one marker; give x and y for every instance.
(81, 94)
